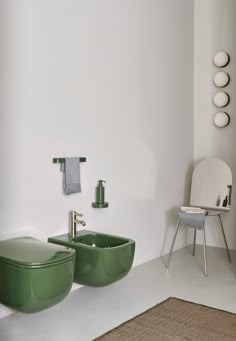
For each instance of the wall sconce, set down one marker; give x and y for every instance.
(221, 99)
(221, 79)
(221, 119)
(221, 59)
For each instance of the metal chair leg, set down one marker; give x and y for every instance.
(226, 245)
(204, 248)
(173, 243)
(194, 241)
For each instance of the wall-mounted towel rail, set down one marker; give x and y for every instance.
(62, 160)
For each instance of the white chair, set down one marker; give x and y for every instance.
(210, 195)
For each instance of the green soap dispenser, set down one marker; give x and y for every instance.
(100, 196)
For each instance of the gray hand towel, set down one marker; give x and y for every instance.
(71, 170)
(195, 220)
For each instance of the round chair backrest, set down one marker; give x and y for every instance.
(211, 185)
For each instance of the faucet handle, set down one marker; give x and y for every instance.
(77, 214)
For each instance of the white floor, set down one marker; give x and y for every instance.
(89, 312)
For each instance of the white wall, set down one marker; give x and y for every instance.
(108, 80)
(214, 29)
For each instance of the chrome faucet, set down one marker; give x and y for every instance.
(74, 221)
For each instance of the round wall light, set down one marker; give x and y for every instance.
(221, 59)
(221, 99)
(221, 79)
(221, 119)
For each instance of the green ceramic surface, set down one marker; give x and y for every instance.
(31, 252)
(35, 276)
(101, 259)
(100, 240)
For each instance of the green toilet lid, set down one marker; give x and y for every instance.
(31, 252)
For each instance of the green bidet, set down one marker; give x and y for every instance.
(34, 275)
(101, 259)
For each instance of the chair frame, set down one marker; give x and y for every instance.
(194, 243)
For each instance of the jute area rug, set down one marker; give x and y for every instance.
(177, 320)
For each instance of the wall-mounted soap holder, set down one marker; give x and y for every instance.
(100, 196)
(62, 160)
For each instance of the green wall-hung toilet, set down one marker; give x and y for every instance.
(34, 275)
